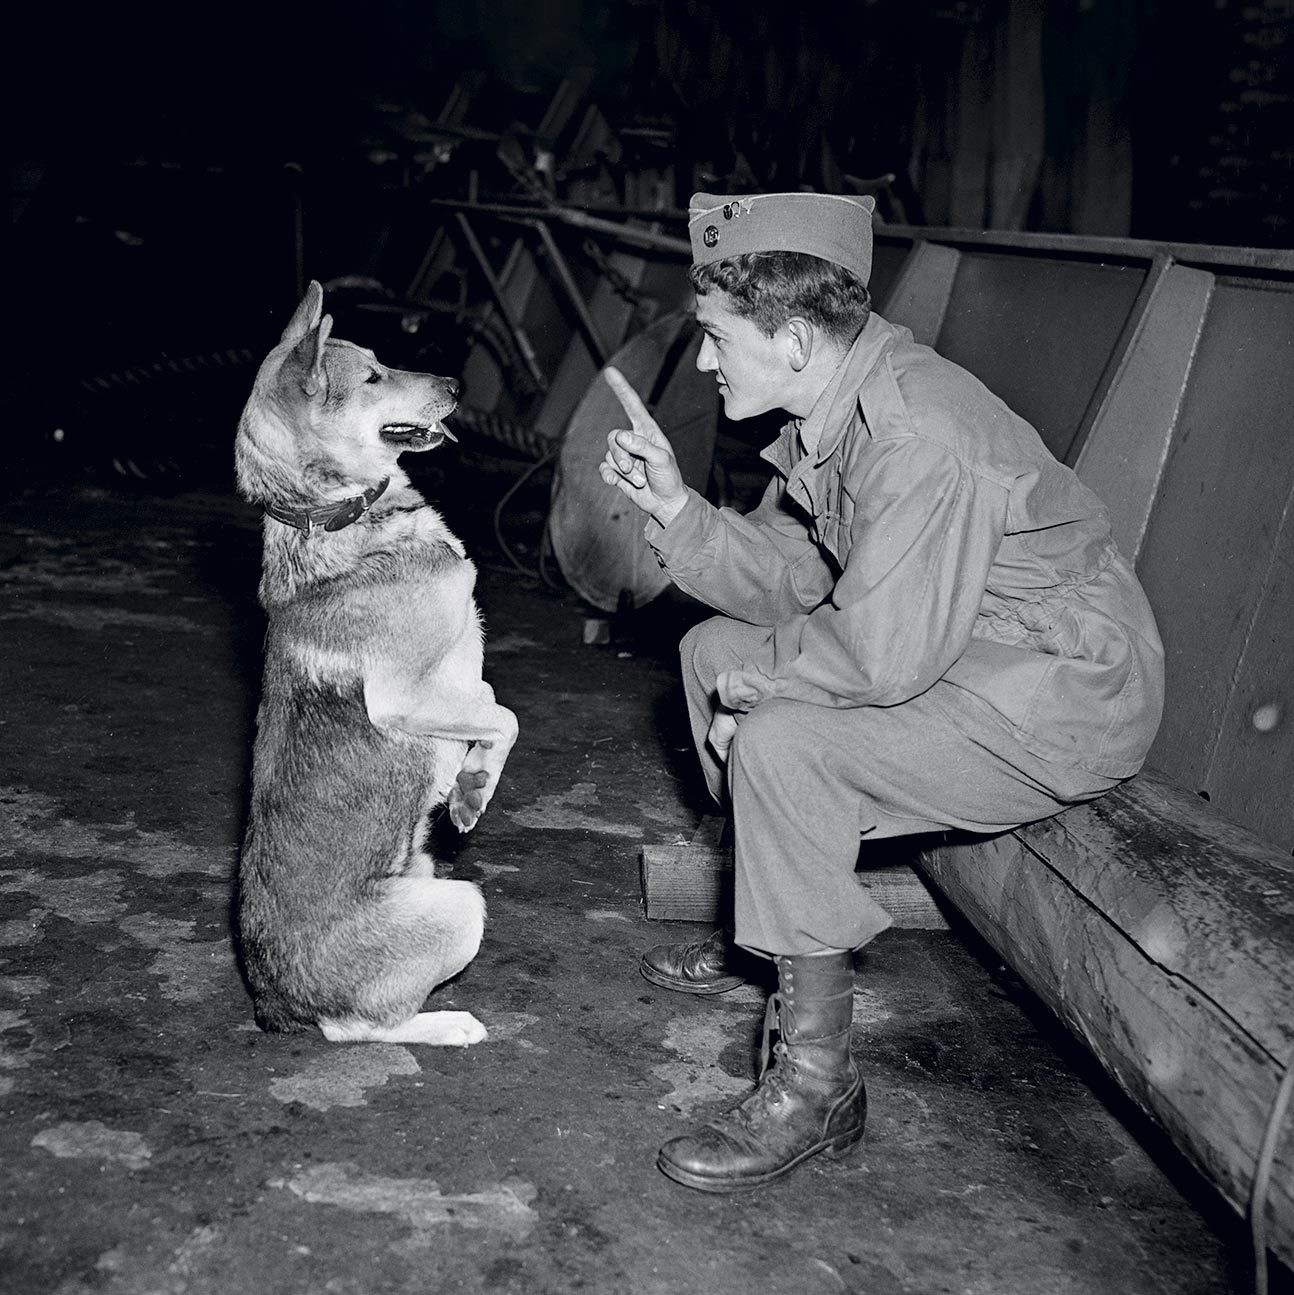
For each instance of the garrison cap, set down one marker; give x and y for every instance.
(831, 226)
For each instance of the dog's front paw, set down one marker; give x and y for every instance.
(467, 798)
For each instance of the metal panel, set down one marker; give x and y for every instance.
(1211, 556)
(1125, 452)
(1252, 773)
(919, 296)
(1039, 332)
(888, 259)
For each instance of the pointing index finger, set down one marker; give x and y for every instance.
(629, 399)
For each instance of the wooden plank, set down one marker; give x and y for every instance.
(1163, 935)
(1125, 452)
(693, 883)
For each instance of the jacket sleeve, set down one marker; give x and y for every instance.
(923, 537)
(760, 567)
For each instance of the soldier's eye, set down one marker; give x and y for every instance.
(373, 376)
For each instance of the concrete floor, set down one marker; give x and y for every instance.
(154, 1141)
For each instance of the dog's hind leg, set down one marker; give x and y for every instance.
(439, 1029)
(430, 931)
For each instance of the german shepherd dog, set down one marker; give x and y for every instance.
(373, 712)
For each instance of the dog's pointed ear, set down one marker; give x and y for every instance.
(306, 316)
(306, 360)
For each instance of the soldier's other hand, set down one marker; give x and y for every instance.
(723, 728)
(741, 689)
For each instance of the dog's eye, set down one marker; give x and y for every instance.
(373, 376)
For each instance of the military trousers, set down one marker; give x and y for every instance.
(809, 786)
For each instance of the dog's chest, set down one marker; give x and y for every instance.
(404, 601)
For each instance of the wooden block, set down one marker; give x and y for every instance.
(687, 883)
(903, 894)
(597, 631)
(693, 883)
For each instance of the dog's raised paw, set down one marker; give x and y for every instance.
(466, 798)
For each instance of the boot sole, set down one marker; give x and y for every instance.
(836, 1147)
(682, 986)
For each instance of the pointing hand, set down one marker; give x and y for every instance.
(640, 462)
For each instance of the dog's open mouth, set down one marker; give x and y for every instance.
(416, 436)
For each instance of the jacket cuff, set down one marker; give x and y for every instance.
(675, 543)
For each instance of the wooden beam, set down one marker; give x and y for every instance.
(1163, 935)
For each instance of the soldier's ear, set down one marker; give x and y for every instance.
(801, 337)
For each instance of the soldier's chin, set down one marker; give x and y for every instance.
(732, 406)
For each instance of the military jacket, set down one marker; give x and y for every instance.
(916, 530)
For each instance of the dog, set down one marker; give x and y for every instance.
(373, 711)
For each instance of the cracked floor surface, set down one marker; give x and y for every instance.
(154, 1141)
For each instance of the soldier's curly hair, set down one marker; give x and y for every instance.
(768, 288)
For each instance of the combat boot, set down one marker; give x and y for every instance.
(810, 1099)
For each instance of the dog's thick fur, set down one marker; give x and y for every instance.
(373, 711)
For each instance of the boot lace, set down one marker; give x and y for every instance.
(776, 1065)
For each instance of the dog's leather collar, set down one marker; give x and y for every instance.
(329, 517)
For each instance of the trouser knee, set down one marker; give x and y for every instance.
(763, 739)
(703, 650)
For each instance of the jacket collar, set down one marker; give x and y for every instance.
(823, 428)
(831, 415)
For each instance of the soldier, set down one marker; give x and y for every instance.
(924, 625)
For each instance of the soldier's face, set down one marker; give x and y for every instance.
(750, 367)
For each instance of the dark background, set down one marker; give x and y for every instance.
(175, 170)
